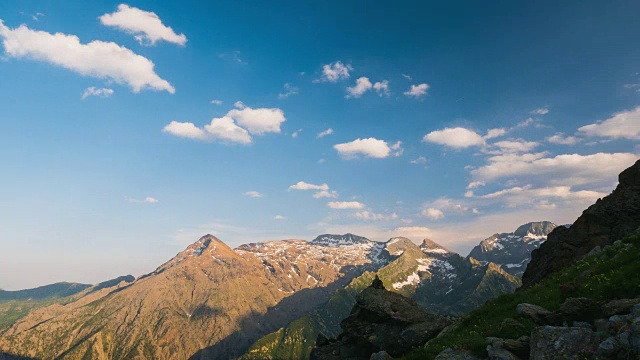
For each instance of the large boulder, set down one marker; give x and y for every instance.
(608, 220)
(381, 320)
(534, 312)
(456, 354)
(551, 342)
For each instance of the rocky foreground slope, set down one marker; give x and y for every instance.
(606, 221)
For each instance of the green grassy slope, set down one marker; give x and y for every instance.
(613, 274)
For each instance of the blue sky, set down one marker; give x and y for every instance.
(129, 130)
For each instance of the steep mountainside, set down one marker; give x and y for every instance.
(436, 278)
(209, 301)
(512, 251)
(604, 222)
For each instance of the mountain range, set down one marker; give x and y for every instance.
(212, 301)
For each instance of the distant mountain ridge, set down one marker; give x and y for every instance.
(57, 290)
(512, 251)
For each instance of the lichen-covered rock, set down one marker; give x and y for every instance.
(551, 342)
(456, 354)
(608, 348)
(380, 355)
(618, 307)
(534, 312)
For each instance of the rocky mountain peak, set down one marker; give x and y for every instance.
(538, 228)
(339, 240)
(430, 246)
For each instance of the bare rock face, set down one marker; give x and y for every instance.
(550, 342)
(381, 321)
(608, 220)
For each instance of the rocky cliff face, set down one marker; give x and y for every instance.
(380, 320)
(604, 222)
(512, 251)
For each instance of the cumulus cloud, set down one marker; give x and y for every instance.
(417, 90)
(146, 200)
(344, 205)
(494, 133)
(327, 132)
(93, 91)
(362, 86)
(371, 216)
(280, 217)
(334, 72)
(223, 129)
(433, 213)
(289, 90)
(567, 169)
(559, 138)
(98, 59)
(258, 121)
(253, 194)
(301, 185)
(457, 138)
(325, 194)
(145, 26)
(622, 125)
(515, 146)
(370, 147)
(382, 88)
(475, 184)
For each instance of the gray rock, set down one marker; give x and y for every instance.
(619, 307)
(574, 309)
(595, 251)
(550, 342)
(510, 324)
(497, 352)
(451, 354)
(534, 312)
(617, 243)
(634, 338)
(582, 324)
(381, 355)
(635, 311)
(608, 348)
(617, 322)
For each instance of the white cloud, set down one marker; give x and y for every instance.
(559, 138)
(362, 85)
(433, 213)
(419, 160)
(417, 90)
(407, 77)
(280, 217)
(322, 134)
(325, 194)
(258, 121)
(371, 216)
(475, 184)
(515, 146)
(223, 129)
(239, 104)
(622, 125)
(519, 196)
(370, 147)
(457, 138)
(540, 111)
(567, 169)
(343, 205)
(216, 102)
(98, 59)
(382, 88)
(494, 133)
(93, 91)
(334, 72)
(301, 185)
(525, 123)
(469, 194)
(146, 200)
(289, 90)
(253, 194)
(146, 26)
(412, 232)
(296, 133)
(185, 130)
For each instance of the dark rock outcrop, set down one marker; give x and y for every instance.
(551, 342)
(381, 321)
(608, 220)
